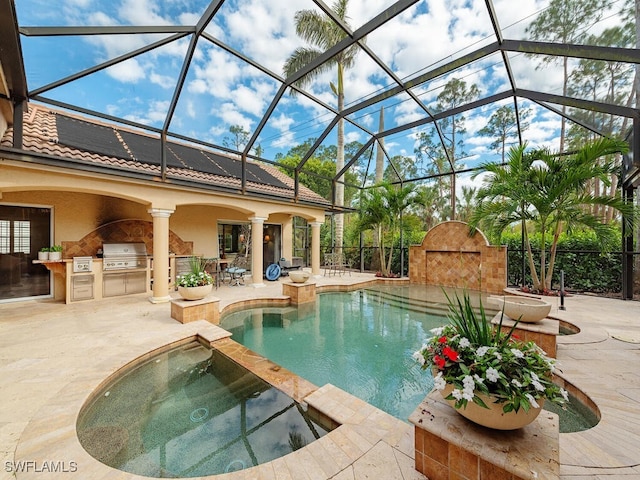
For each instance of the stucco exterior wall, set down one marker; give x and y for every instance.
(449, 256)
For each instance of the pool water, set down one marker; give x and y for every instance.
(361, 341)
(192, 411)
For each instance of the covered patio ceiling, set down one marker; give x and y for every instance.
(218, 74)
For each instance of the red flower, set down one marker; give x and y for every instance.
(450, 353)
(442, 340)
(439, 361)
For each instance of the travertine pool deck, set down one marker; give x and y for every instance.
(53, 355)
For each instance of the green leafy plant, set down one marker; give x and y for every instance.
(56, 248)
(475, 357)
(197, 275)
(44, 249)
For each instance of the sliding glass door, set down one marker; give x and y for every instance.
(24, 230)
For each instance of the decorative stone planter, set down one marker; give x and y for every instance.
(299, 276)
(494, 417)
(525, 309)
(195, 293)
(55, 256)
(43, 256)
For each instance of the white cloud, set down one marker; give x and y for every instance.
(128, 71)
(163, 80)
(232, 116)
(141, 12)
(352, 137)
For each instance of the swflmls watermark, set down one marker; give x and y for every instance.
(41, 466)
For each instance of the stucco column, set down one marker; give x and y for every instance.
(160, 254)
(315, 247)
(257, 224)
(286, 240)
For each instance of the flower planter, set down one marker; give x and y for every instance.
(299, 276)
(55, 256)
(43, 256)
(493, 417)
(527, 309)
(195, 293)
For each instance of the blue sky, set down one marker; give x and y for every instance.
(221, 90)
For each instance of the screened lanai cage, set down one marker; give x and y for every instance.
(343, 95)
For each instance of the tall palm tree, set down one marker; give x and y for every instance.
(551, 192)
(381, 210)
(323, 33)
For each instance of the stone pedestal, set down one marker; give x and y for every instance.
(299, 292)
(186, 311)
(544, 333)
(448, 446)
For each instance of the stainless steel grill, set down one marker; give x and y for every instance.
(82, 264)
(124, 256)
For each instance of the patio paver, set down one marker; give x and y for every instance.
(53, 355)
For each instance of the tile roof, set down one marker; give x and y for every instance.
(41, 136)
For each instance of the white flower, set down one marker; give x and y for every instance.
(439, 383)
(480, 352)
(419, 357)
(564, 394)
(492, 374)
(437, 330)
(537, 385)
(516, 382)
(468, 382)
(498, 355)
(532, 400)
(467, 395)
(517, 353)
(457, 394)
(534, 377)
(478, 378)
(464, 343)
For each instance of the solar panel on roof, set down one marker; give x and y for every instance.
(103, 140)
(147, 149)
(195, 159)
(262, 176)
(254, 172)
(90, 137)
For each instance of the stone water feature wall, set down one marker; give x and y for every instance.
(449, 256)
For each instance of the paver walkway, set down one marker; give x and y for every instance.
(52, 356)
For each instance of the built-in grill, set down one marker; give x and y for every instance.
(125, 269)
(124, 256)
(82, 264)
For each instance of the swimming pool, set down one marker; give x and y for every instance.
(360, 341)
(188, 412)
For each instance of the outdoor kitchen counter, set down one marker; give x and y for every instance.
(90, 285)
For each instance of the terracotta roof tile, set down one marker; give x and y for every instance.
(40, 135)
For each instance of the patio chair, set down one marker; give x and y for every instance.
(286, 267)
(236, 270)
(212, 267)
(330, 263)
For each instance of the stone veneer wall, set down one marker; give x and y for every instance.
(450, 257)
(123, 231)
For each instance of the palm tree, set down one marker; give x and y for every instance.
(381, 210)
(323, 33)
(551, 192)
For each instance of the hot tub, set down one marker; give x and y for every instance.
(188, 412)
